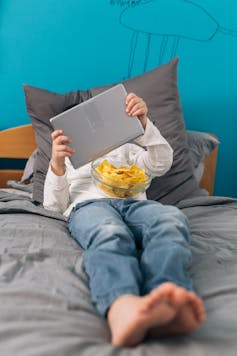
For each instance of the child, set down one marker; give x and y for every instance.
(136, 251)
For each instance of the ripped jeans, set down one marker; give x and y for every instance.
(131, 247)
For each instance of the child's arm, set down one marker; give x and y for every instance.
(158, 156)
(60, 150)
(56, 187)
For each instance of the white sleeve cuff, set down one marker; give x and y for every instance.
(58, 182)
(151, 136)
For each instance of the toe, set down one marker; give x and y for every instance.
(197, 305)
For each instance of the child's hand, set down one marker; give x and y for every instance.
(136, 107)
(60, 150)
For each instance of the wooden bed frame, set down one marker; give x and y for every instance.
(19, 142)
(16, 142)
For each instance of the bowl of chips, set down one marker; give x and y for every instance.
(119, 180)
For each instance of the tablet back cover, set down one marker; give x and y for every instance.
(98, 125)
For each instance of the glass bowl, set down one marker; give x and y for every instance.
(119, 180)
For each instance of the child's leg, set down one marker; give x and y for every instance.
(163, 233)
(110, 257)
(166, 257)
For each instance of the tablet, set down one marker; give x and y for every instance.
(98, 125)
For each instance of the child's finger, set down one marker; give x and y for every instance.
(63, 154)
(62, 139)
(135, 109)
(56, 133)
(132, 103)
(137, 113)
(64, 148)
(129, 97)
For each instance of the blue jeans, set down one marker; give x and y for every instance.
(131, 247)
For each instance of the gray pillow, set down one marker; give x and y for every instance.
(159, 89)
(201, 144)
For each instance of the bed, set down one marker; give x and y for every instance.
(44, 297)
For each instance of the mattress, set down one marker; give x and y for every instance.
(45, 303)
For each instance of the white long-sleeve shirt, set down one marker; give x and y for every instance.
(62, 193)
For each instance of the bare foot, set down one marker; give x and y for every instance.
(190, 314)
(130, 317)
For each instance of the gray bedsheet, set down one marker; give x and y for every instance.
(45, 306)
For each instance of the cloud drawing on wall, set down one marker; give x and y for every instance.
(172, 20)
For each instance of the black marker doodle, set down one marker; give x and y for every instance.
(130, 3)
(173, 20)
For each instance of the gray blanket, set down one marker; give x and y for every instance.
(45, 306)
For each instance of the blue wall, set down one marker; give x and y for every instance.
(75, 44)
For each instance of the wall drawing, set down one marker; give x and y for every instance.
(172, 20)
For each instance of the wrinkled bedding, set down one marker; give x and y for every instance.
(45, 306)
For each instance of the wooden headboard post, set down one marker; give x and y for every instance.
(15, 142)
(208, 179)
